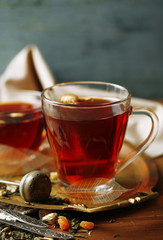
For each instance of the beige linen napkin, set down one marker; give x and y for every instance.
(139, 126)
(28, 70)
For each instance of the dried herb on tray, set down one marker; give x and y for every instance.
(11, 233)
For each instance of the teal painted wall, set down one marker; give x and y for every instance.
(117, 41)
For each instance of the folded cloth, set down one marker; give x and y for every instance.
(139, 126)
(28, 70)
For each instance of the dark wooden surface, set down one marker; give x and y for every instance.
(106, 40)
(143, 221)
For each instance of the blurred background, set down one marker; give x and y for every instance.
(99, 40)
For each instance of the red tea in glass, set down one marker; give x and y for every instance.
(86, 148)
(86, 124)
(85, 128)
(21, 123)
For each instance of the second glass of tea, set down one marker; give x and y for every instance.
(21, 120)
(86, 124)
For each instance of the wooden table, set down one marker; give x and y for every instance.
(142, 221)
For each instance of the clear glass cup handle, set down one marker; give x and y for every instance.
(145, 144)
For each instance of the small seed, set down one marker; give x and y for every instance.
(138, 199)
(50, 218)
(53, 176)
(131, 200)
(12, 188)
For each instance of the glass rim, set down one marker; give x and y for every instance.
(18, 93)
(98, 105)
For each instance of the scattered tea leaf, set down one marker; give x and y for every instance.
(80, 235)
(112, 221)
(116, 235)
(55, 200)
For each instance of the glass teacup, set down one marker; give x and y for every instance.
(21, 120)
(86, 124)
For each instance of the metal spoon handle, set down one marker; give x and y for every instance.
(9, 182)
(37, 230)
(23, 218)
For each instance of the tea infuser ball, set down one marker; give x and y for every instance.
(35, 186)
